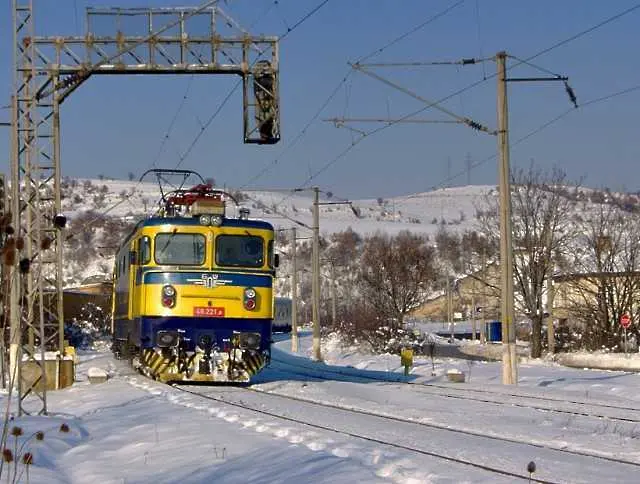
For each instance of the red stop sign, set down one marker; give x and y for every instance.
(625, 321)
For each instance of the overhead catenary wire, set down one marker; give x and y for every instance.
(529, 134)
(343, 153)
(167, 135)
(204, 127)
(535, 66)
(484, 69)
(342, 82)
(476, 83)
(264, 13)
(304, 18)
(412, 31)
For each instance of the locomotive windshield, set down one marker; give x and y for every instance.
(239, 250)
(179, 249)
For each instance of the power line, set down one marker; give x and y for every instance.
(584, 32)
(284, 21)
(472, 165)
(337, 88)
(204, 127)
(173, 120)
(474, 84)
(413, 30)
(522, 61)
(263, 14)
(532, 133)
(304, 18)
(283, 215)
(484, 69)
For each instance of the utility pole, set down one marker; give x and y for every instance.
(550, 330)
(333, 294)
(483, 325)
(510, 373)
(450, 309)
(4, 282)
(509, 362)
(509, 359)
(316, 267)
(294, 293)
(315, 277)
(474, 327)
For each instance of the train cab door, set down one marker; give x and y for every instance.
(132, 265)
(139, 258)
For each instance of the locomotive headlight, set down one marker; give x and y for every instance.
(205, 220)
(216, 220)
(168, 296)
(250, 341)
(249, 299)
(167, 339)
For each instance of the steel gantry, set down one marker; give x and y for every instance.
(190, 40)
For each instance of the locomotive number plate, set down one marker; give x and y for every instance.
(208, 311)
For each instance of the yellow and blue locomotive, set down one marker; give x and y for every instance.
(193, 291)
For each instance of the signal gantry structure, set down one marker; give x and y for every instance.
(47, 69)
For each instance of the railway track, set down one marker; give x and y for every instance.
(348, 430)
(430, 435)
(582, 408)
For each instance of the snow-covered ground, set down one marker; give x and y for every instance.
(363, 422)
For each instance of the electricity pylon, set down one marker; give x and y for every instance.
(46, 71)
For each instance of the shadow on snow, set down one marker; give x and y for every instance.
(287, 367)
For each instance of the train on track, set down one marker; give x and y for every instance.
(193, 289)
(282, 315)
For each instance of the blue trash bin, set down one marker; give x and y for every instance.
(494, 331)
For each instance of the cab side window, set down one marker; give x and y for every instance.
(144, 250)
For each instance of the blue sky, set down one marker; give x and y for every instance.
(115, 124)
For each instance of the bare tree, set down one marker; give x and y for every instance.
(606, 283)
(397, 273)
(449, 249)
(542, 230)
(344, 250)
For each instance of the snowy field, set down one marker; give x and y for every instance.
(353, 418)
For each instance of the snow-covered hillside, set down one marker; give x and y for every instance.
(420, 212)
(91, 203)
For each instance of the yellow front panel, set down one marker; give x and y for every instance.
(187, 279)
(229, 298)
